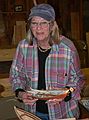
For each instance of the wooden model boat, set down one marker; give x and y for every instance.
(24, 115)
(59, 93)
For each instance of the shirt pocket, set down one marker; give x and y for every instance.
(62, 79)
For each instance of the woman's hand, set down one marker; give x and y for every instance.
(27, 98)
(54, 101)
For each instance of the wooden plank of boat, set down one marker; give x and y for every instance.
(67, 119)
(24, 115)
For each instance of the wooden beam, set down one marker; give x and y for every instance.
(75, 29)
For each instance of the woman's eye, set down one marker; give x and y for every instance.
(44, 23)
(34, 23)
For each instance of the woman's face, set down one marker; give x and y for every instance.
(40, 28)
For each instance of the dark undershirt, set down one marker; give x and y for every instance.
(41, 106)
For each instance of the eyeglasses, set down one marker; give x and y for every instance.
(41, 24)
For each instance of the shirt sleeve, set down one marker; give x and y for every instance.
(17, 71)
(76, 77)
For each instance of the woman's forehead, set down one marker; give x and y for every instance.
(37, 18)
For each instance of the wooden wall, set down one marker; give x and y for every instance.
(68, 14)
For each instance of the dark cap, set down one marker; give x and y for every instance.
(45, 11)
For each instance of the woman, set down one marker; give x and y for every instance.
(46, 59)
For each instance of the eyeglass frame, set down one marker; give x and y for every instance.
(43, 24)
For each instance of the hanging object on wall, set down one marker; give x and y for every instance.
(18, 8)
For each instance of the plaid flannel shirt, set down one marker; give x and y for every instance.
(62, 68)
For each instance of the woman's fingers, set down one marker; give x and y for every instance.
(27, 98)
(30, 101)
(54, 101)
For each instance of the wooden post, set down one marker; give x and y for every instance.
(75, 27)
(87, 40)
(19, 32)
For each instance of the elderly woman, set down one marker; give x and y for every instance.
(46, 59)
